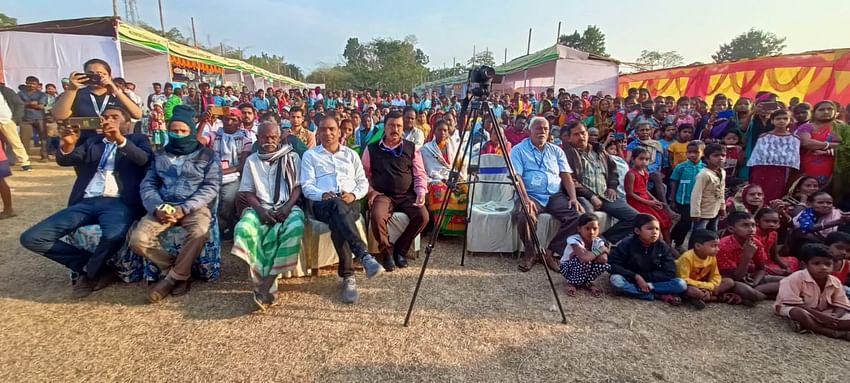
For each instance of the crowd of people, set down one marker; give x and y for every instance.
(715, 200)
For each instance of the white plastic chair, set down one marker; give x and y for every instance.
(491, 228)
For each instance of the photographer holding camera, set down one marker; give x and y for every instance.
(90, 93)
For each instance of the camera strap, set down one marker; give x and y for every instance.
(99, 109)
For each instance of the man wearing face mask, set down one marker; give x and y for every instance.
(181, 184)
(110, 166)
(268, 236)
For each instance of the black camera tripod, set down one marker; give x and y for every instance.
(476, 107)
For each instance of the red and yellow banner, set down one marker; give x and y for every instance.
(191, 64)
(811, 76)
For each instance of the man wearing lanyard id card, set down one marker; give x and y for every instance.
(90, 93)
(110, 166)
(548, 185)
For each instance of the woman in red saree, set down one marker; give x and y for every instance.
(818, 143)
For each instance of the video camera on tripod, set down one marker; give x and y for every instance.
(482, 77)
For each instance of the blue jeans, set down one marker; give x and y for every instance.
(622, 285)
(111, 214)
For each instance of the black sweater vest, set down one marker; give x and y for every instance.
(391, 175)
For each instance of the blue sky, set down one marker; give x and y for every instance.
(312, 33)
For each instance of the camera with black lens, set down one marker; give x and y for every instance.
(480, 79)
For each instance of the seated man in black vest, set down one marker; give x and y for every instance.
(398, 182)
(110, 166)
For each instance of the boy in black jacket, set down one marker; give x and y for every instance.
(643, 267)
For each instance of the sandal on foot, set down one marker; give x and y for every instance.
(797, 327)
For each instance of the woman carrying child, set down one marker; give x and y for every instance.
(585, 257)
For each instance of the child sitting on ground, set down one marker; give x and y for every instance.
(742, 257)
(839, 248)
(767, 231)
(812, 299)
(585, 257)
(643, 267)
(698, 267)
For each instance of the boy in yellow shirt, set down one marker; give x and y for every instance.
(698, 267)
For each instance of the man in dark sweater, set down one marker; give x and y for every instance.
(110, 166)
(398, 183)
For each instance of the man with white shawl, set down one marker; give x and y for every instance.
(438, 156)
(268, 236)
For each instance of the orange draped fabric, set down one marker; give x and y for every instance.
(811, 76)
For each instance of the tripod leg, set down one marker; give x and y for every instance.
(419, 283)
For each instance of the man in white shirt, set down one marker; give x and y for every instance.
(411, 132)
(332, 177)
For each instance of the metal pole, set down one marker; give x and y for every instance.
(473, 55)
(528, 50)
(506, 56)
(161, 19)
(114, 8)
(194, 37)
(558, 36)
(221, 44)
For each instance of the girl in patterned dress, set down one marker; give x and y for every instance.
(586, 256)
(775, 157)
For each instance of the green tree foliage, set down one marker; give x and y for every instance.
(751, 44)
(172, 34)
(482, 58)
(6, 21)
(592, 40)
(275, 64)
(656, 60)
(384, 63)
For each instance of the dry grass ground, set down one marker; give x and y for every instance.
(482, 322)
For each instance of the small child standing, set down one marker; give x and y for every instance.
(734, 151)
(767, 231)
(637, 193)
(156, 129)
(812, 299)
(681, 184)
(775, 156)
(585, 257)
(707, 197)
(643, 267)
(678, 150)
(839, 248)
(742, 257)
(698, 267)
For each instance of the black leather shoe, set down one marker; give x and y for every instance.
(388, 263)
(400, 261)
